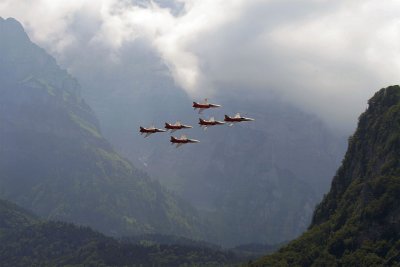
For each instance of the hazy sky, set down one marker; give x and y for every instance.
(325, 56)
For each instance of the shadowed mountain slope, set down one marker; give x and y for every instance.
(27, 241)
(55, 161)
(258, 177)
(358, 221)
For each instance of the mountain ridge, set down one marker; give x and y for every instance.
(289, 153)
(55, 161)
(27, 241)
(358, 221)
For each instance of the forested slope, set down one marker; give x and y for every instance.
(358, 221)
(55, 161)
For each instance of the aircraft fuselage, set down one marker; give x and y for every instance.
(183, 140)
(151, 130)
(205, 106)
(240, 119)
(176, 127)
(210, 122)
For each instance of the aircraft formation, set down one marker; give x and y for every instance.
(202, 123)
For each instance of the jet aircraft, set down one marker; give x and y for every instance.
(204, 105)
(237, 118)
(176, 126)
(150, 130)
(210, 122)
(182, 140)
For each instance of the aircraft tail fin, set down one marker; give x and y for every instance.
(227, 117)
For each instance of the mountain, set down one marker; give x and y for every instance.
(13, 217)
(260, 177)
(252, 178)
(358, 221)
(27, 241)
(277, 167)
(55, 161)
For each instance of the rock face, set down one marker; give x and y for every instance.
(358, 221)
(254, 181)
(55, 161)
(260, 177)
(278, 167)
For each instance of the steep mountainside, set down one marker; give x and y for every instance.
(358, 222)
(13, 217)
(54, 159)
(272, 172)
(26, 241)
(262, 177)
(250, 179)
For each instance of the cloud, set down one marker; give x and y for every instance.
(327, 57)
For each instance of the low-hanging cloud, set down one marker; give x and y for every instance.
(325, 56)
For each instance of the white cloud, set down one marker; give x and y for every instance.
(325, 56)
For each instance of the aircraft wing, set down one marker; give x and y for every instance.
(178, 145)
(173, 130)
(147, 135)
(201, 110)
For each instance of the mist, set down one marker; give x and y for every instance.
(324, 57)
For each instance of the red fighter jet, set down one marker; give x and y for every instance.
(237, 118)
(210, 122)
(182, 140)
(204, 105)
(176, 126)
(150, 130)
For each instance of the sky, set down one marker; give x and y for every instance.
(326, 57)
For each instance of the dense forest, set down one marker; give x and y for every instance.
(26, 240)
(358, 221)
